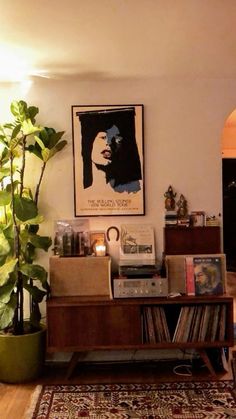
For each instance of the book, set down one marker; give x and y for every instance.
(158, 324)
(188, 324)
(176, 273)
(197, 323)
(190, 281)
(177, 328)
(222, 323)
(181, 324)
(215, 322)
(164, 324)
(208, 275)
(150, 325)
(204, 325)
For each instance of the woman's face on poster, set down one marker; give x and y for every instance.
(101, 153)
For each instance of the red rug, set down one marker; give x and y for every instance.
(185, 400)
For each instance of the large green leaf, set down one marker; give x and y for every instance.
(16, 131)
(7, 312)
(36, 220)
(8, 230)
(43, 135)
(4, 245)
(5, 198)
(7, 126)
(32, 112)
(39, 142)
(34, 272)
(37, 294)
(25, 208)
(29, 253)
(58, 147)
(28, 128)
(45, 154)
(15, 185)
(14, 144)
(6, 292)
(6, 269)
(55, 138)
(4, 171)
(19, 109)
(41, 242)
(4, 152)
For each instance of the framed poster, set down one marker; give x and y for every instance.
(108, 160)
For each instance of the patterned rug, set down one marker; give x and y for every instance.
(185, 400)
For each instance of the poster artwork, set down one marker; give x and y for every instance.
(108, 160)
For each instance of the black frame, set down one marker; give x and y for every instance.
(122, 191)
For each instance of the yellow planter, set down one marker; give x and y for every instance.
(22, 357)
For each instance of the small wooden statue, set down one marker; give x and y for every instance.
(170, 199)
(182, 207)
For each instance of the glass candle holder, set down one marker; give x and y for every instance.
(100, 250)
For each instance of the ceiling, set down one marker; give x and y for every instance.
(100, 39)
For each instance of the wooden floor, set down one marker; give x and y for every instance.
(14, 399)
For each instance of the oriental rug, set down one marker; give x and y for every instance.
(183, 400)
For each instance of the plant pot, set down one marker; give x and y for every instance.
(22, 357)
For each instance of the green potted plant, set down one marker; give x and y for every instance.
(21, 338)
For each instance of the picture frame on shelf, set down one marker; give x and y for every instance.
(98, 242)
(108, 160)
(197, 218)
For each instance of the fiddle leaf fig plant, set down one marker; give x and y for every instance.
(20, 219)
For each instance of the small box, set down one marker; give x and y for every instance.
(80, 276)
(197, 218)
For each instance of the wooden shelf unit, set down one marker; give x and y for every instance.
(192, 240)
(79, 324)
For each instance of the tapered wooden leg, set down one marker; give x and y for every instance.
(75, 358)
(206, 359)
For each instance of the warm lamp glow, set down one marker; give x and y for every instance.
(100, 250)
(17, 64)
(14, 66)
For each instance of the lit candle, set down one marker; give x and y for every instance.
(100, 250)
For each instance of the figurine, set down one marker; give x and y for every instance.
(170, 199)
(182, 207)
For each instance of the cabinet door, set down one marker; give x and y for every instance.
(192, 240)
(93, 326)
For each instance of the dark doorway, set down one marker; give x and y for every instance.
(229, 211)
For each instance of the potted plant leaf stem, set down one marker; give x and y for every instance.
(22, 340)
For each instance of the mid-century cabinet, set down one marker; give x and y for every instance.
(79, 324)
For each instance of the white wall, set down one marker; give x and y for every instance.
(183, 123)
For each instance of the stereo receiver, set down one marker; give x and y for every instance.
(140, 287)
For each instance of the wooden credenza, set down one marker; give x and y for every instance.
(191, 240)
(80, 324)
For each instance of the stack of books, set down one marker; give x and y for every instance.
(171, 218)
(212, 221)
(184, 222)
